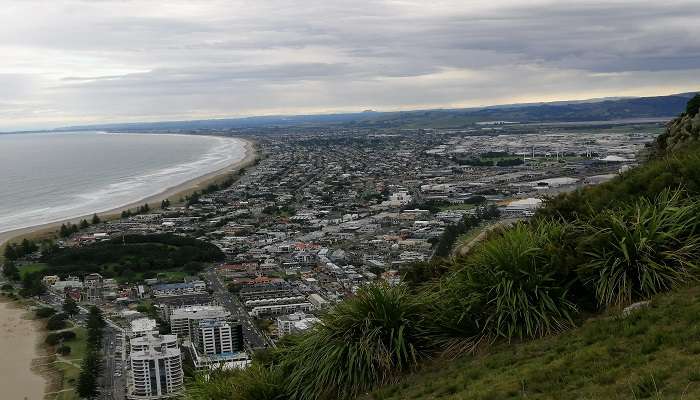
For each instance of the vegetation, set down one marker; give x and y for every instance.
(131, 254)
(586, 253)
(256, 382)
(57, 322)
(366, 340)
(44, 312)
(14, 251)
(91, 367)
(642, 249)
(651, 354)
(468, 222)
(693, 106)
(70, 307)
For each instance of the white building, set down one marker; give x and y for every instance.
(183, 320)
(217, 343)
(318, 302)
(279, 309)
(179, 289)
(142, 326)
(524, 206)
(296, 322)
(156, 368)
(398, 199)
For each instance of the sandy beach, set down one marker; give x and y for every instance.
(20, 340)
(173, 194)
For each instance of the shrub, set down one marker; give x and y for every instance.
(56, 322)
(515, 285)
(642, 249)
(45, 312)
(52, 339)
(253, 383)
(364, 341)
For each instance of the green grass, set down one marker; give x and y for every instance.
(30, 268)
(654, 353)
(69, 371)
(172, 276)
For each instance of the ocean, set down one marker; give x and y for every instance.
(49, 177)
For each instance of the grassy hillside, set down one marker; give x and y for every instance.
(528, 313)
(652, 353)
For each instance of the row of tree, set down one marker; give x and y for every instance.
(69, 229)
(14, 251)
(140, 210)
(468, 222)
(91, 367)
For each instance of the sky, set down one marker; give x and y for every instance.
(72, 62)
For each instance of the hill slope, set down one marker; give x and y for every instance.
(658, 107)
(653, 353)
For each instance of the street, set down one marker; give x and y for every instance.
(253, 338)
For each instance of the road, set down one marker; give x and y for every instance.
(253, 338)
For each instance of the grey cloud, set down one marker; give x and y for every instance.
(115, 60)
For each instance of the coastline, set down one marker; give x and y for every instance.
(20, 331)
(173, 194)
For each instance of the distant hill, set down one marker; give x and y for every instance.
(566, 111)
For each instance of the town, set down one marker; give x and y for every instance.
(320, 213)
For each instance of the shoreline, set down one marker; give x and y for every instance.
(172, 193)
(41, 358)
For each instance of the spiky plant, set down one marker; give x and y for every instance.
(643, 249)
(515, 285)
(256, 382)
(364, 341)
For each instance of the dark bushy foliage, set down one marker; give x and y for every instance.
(364, 341)
(139, 253)
(45, 312)
(642, 249)
(515, 285)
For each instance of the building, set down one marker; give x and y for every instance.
(317, 301)
(280, 309)
(93, 287)
(156, 368)
(179, 289)
(183, 320)
(142, 326)
(217, 343)
(166, 305)
(266, 291)
(296, 322)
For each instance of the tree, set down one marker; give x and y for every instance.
(28, 247)
(95, 219)
(70, 307)
(45, 312)
(693, 106)
(10, 252)
(87, 381)
(57, 322)
(84, 224)
(10, 270)
(32, 285)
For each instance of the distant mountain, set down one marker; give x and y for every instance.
(562, 111)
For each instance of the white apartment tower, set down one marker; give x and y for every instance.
(217, 342)
(183, 321)
(156, 368)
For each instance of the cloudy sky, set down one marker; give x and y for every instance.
(77, 62)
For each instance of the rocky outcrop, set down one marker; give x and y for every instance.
(681, 131)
